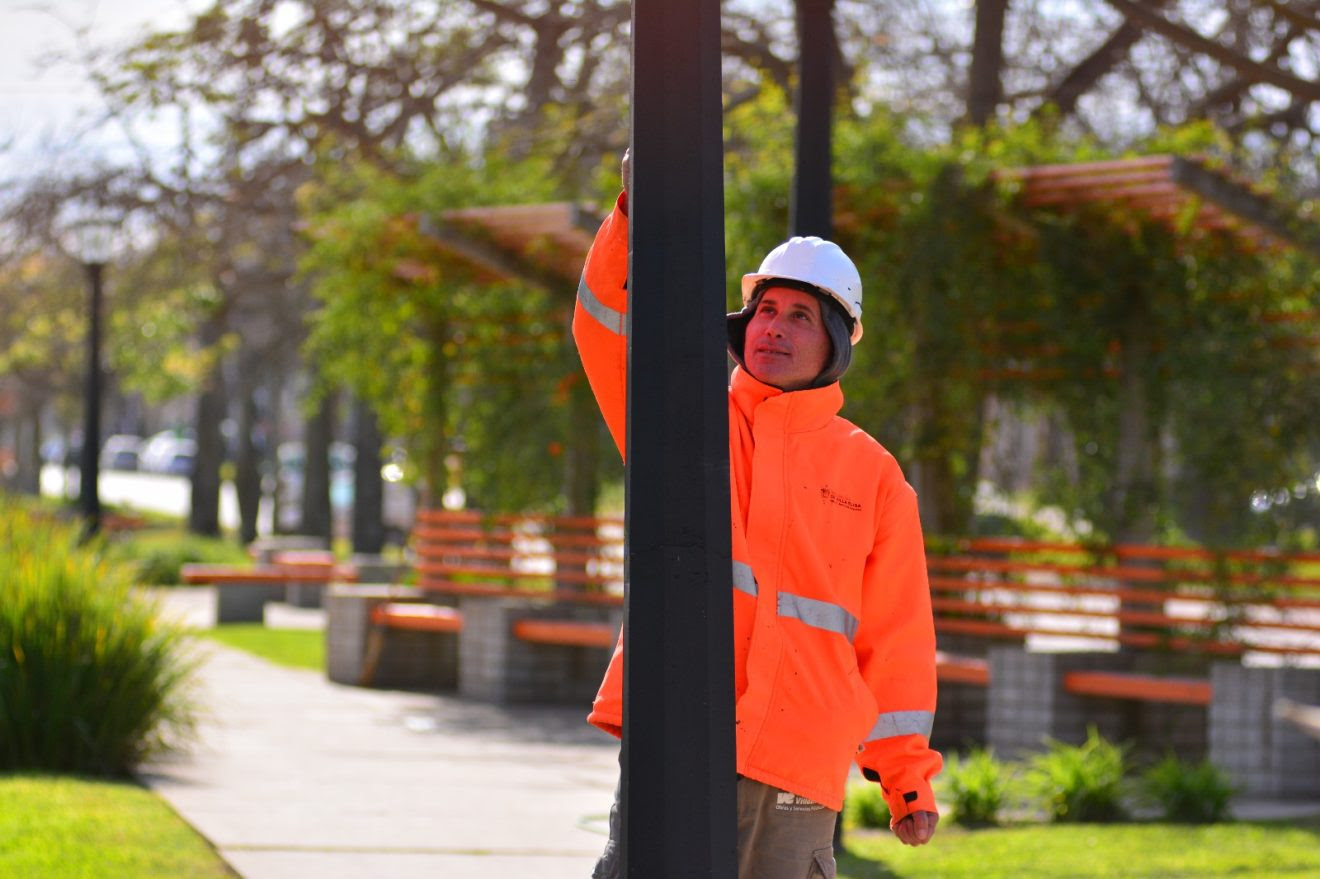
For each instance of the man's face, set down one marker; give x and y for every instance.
(787, 345)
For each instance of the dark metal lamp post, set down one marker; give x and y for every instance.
(92, 241)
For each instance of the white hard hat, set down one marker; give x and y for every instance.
(817, 262)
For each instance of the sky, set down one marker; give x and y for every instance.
(43, 106)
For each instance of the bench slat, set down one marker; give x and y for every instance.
(566, 632)
(962, 670)
(1145, 688)
(417, 617)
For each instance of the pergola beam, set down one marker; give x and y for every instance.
(1241, 202)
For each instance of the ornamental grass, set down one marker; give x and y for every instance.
(91, 680)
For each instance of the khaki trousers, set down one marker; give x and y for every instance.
(780, 836)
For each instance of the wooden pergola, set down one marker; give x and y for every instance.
(541, 243)
(1185, 192)
(1189, 195)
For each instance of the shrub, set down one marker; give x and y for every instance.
(865, 806)
(91, 681)
(1192, 793)
(1082, 782)
(158, 556)
(977, 787)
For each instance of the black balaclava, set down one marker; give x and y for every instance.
(837, 324)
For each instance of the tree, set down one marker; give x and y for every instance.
(267, 91)
(1125, 326)
(1118, 70)
(455, 361)
(42, 328)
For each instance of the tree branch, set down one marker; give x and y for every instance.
(1184, 36)
(1305, 18)
(1085, 75)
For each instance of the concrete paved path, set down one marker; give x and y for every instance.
(295, 777)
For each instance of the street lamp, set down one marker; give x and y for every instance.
(92, 240)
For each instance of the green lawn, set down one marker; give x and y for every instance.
(67, 828)
(296, 648)
(1260, 850)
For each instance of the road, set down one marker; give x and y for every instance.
(149, 492)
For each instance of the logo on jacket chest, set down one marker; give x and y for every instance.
(829, 495)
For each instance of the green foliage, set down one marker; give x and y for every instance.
(157, 556)
(43, 301)
(865, 806)
(1274, 849)
(454, 360)
(74, 828)
(91, 680)
(1081, 782)
(969, 293)
(977, 785)
(1191, 793)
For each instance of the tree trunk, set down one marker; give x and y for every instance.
(368, 487)
(1132, 500)
(946, 463)
(581, 461)
(28, 478)
(204, 512)
(1132, 504)
(317, 516)
(247, 476)
(985, 89)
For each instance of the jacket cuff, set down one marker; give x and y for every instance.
(607, 722)
(907, 795)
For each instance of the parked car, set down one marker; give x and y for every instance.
(120, 452)
(168, 452)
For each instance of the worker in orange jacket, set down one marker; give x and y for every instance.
(834, 644)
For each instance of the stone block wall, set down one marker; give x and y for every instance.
(245, 602)
(1263, 754)
(960, 717)
(494, 666)
(1028, 705)
(407, 660)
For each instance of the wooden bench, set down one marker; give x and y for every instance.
(534, 603)
(567, 633)
(242, 592)
(1105, 684)
(1240, 603)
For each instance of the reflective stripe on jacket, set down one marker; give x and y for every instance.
(834, 646)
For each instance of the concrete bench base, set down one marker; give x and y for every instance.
(245, 602)
(496, 666)
(484, 660)
(407, 660)
(305, 594)
(1227, 717)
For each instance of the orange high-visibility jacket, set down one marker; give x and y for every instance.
(834, 644)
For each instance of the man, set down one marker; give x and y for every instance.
(834, 645)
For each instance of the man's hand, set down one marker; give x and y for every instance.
(917, 828)
(625, 169)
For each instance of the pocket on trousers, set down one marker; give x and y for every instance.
(822, 864)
